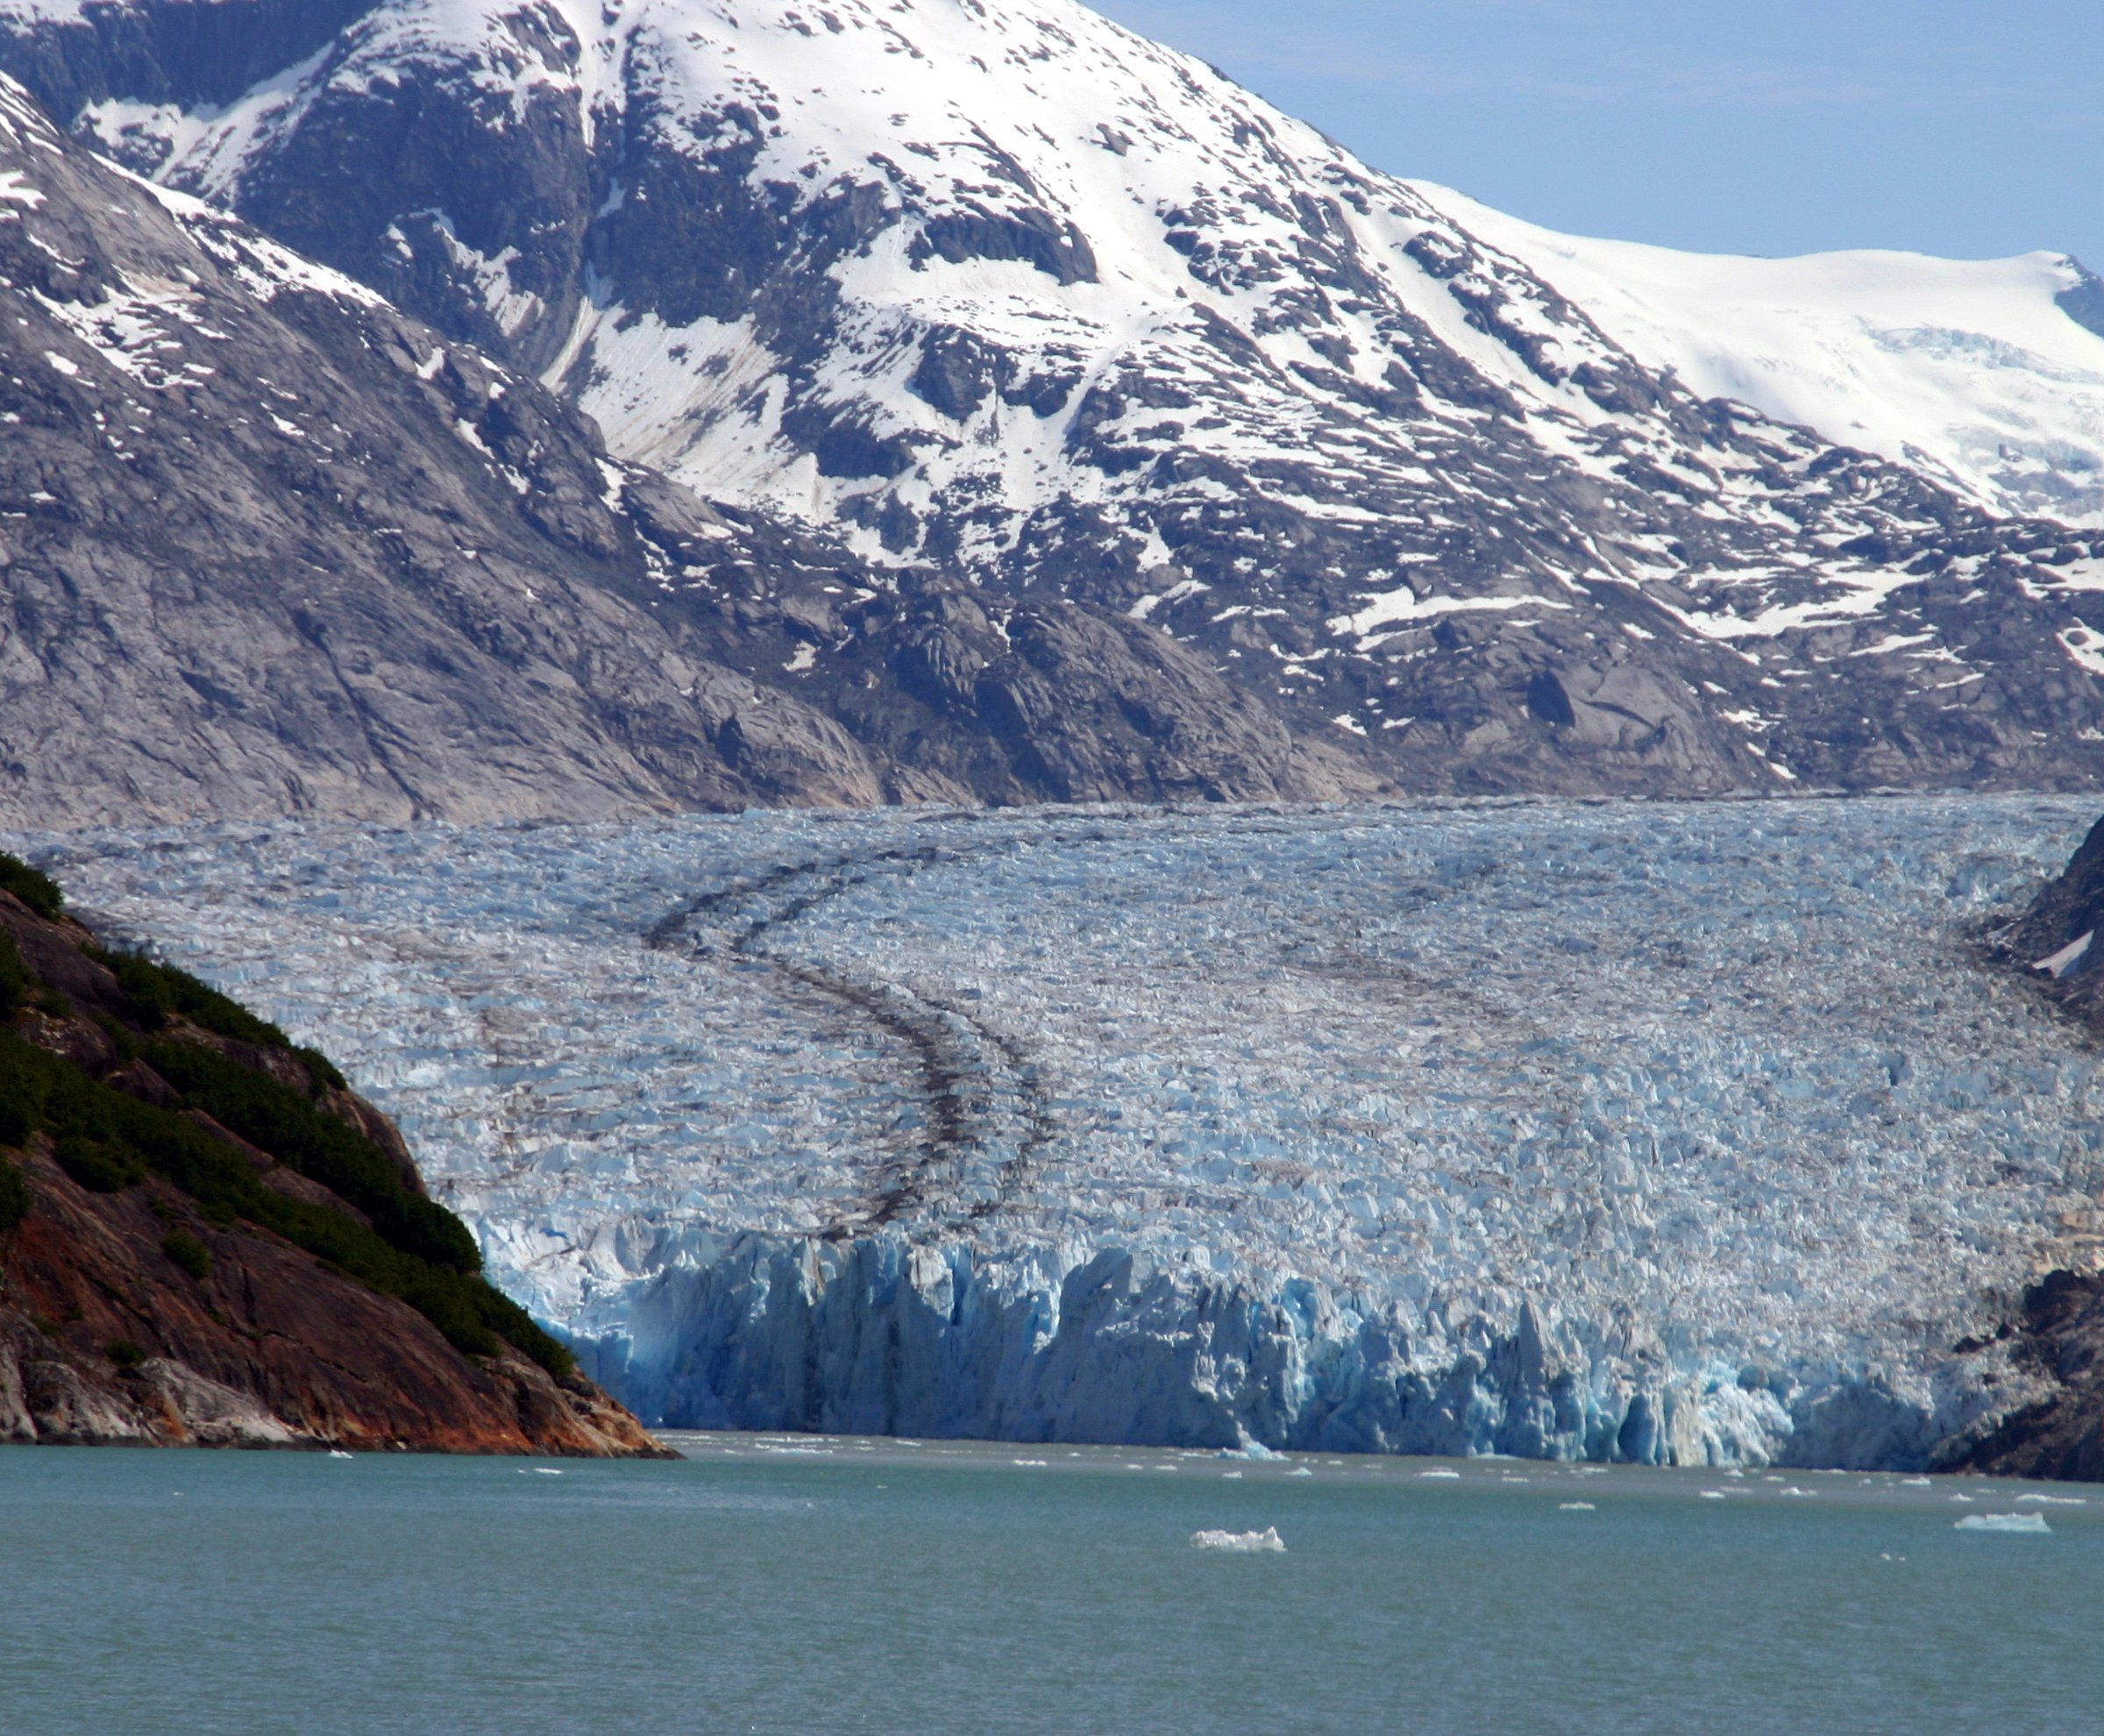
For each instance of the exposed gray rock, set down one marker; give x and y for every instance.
(270, 547)
(2057, 938)
(1369, 469)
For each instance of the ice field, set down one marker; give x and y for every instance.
(1619, 1130)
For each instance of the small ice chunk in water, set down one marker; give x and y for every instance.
(1264, 1543)
(2055, 1500)
(1300, 1470)
(1576, 1507)
(1439, 1473)
(2029, 1524)
(1713, 1494)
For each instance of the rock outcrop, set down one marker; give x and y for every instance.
(2057, 1337)
(2057, 937)
(178, 1265)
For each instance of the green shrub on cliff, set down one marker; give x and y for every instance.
(156, 992)
(293, 1130)
(189, 1253)
(105, 1140)
(101, 1166)
(38, 891)
(322, 1071)
(416, 1250)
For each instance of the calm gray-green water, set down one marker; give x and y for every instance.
(782, 1585)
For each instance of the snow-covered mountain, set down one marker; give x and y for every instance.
(1987, 374)
(998, 287)
(268, 545)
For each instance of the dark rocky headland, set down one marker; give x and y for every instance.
(207, 1239)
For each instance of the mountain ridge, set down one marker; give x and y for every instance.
(270, 546)
(1988, 375)
(1019, 310)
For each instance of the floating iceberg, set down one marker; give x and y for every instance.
(1264, 1543)
(1639, 1131)
(2029, 1524)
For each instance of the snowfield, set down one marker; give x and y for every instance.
(1624, 1130)
(1975, 372)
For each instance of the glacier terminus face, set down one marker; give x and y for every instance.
(1641, 1131)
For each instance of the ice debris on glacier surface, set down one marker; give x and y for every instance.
(1651, 1131)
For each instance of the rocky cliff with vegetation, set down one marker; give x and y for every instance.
(207, 1239)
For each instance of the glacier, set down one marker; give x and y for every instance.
(1653, 1132)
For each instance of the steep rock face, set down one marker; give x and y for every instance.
(2057, 937)
(165, 1280)
(2059, 1341)
(266, 1349)
(1005, 289)
(2058, 1338)
(266, 546)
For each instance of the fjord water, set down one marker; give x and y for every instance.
(780, 1585)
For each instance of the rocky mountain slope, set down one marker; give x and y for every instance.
(2056, 936)
(270, 546)
(1002, 289)
(206, 1239)
(2056, 1339)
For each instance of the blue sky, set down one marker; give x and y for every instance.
(1761, 126)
